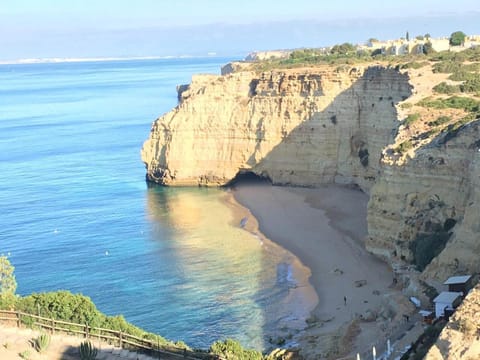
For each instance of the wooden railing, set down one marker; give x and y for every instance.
(113, 337)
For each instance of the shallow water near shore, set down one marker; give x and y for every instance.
(78, 215)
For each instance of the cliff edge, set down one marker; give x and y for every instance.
(348, 125)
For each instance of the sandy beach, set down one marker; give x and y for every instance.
(325, 228)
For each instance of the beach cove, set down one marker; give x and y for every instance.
(325, 228)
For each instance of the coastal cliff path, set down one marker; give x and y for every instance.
(15, 341)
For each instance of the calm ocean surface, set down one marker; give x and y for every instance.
(76, 213)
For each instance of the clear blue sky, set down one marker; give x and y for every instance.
(45, 28)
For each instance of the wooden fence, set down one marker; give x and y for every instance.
(113, 337)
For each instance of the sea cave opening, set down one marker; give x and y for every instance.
(249, 177)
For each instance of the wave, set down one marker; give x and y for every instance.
(97, 59)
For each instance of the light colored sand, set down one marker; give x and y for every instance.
(325, 227)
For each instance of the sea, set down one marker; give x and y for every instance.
(77, 214)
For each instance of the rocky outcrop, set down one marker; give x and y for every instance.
(460, 339)
(436, 192)
(294, 127)
(320, 125)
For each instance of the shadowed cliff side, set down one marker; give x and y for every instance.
(432, 202)
(301, 127)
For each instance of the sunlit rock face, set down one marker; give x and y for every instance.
(299, 127)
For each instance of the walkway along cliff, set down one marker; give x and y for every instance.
(326, 124)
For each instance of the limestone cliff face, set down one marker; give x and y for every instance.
(437, 191)
(301, 127)
(460, 339)
(321, 125)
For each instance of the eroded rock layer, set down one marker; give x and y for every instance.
(320, 125)
(294, 127)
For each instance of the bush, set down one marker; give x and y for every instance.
(231, 349)
(453, 102)
(427, 246)
(471, 85)
(25, 354)
(77, 308)
(88, 351)
(8, 284)
(457, 38)
(414, 65)
(411, 118)
(440, 120)
(42, 342)
(444, 88)
(403, 147)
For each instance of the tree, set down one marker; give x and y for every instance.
(407, 36)
(457, 38)
(428, 48)
(8, 284)
(343, 49)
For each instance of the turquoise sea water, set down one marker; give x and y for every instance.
(76, 213)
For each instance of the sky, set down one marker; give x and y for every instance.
(125, 28)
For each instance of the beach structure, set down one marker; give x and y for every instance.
(461, 284)
(446, 302)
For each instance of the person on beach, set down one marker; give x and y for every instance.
(345, 301)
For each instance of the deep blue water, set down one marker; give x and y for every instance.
(76, 213)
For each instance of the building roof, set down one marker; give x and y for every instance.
(457, 280)
(425, 312)
(447, 297)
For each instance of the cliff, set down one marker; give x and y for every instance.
(318, 125)
(294, 127)
(460, 339)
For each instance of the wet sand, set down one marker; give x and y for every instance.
(325, 228)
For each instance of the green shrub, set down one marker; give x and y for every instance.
(427, 246)
(471, 85)
(231, 349)
(25, 354)
(444, 88)
(8, 284)
(414, 65)
(457, 38)
(76, 308)
(406, 105)
(404, 147)
(447, 67)
(88, 351)
(42, 342)
(440, 120)
(453, 102)
(411, 118)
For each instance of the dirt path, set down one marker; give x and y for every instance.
(15, 341)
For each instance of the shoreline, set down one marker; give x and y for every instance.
(324, 228)
(303, 295)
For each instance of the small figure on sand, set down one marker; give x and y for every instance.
(345, 301)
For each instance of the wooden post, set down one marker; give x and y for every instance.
(86, 331)
(120, 339)
(18, 319)
(53, 326)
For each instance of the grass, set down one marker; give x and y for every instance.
(444, 88)
(440, 120)
(411, 118)
(404, 147)
(453, 102)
